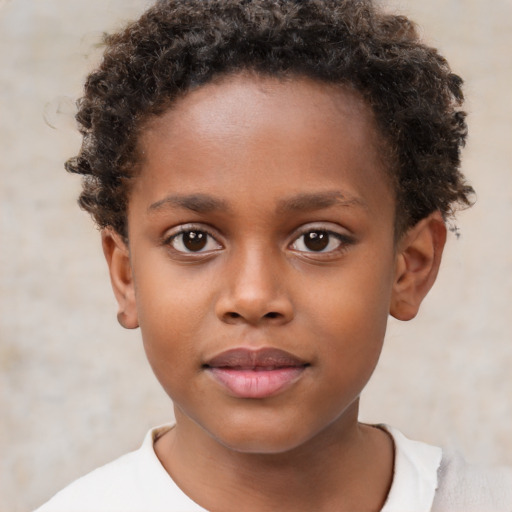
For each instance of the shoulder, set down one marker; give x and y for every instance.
(414, 474)
(468, 488)
(428, 478)
(135, 482)
(106, 484)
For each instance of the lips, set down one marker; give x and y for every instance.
(259, 373)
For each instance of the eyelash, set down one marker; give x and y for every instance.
(197, 230)
(324, 236)
(200, 231)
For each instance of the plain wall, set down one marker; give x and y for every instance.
(75, 388)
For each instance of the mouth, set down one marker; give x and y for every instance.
(262, 373)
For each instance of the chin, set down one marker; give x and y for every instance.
(262, 437)
(260, 444)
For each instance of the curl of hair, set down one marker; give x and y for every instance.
(181, 44)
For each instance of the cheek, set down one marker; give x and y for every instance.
(351, 335)
(350, 339)
(172, 309)
(349, 311)
(169, 297)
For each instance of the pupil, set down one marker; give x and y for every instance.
(194, 240)
(316, 240)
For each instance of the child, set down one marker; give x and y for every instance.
(272, 179)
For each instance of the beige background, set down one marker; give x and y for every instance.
(75, 389)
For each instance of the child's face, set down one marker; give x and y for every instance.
(262, 219)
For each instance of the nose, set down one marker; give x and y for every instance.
(255, 290)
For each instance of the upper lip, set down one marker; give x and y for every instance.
(245, 358)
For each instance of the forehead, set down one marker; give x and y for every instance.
(282, 134)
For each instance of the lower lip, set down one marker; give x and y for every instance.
(256, 384)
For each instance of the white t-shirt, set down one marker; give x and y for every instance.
(137, 482)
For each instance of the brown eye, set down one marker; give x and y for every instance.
(316, 240)
(193, 240)
(320, 241)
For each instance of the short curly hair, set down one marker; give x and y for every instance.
(177, 45)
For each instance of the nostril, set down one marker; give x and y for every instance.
(232, 315)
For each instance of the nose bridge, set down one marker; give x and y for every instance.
(255, 290)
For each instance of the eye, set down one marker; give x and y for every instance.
(319, 240)
(193, 241)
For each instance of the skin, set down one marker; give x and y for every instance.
(255, 164)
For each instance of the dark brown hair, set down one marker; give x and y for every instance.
(180, 44)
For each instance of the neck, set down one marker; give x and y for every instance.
(348, 466)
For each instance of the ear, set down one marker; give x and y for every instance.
(417, 264)
(117, 255)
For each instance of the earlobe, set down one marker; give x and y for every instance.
(417, 264)
(118, 259)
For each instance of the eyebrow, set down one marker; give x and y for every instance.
(318, 201)
(204, 203)
(200, 203)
